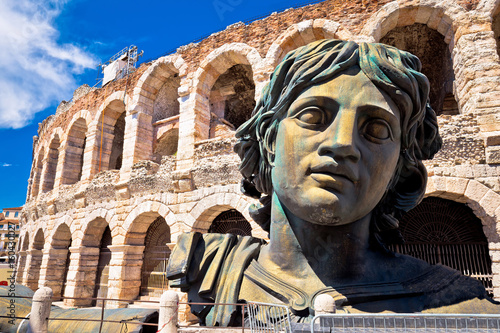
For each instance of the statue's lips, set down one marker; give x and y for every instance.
(332, 173)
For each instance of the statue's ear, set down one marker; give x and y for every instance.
(410, 188)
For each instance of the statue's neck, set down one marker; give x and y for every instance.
(335, 254)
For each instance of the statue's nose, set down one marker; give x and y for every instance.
(341, 137)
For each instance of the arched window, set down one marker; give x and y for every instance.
(232, 99)
(52, 160)
(72, 170)
(36, 260)
(231, 222)
(166, 104)
(37, 175)
(116, 156)
(445, 232)
(429, 46)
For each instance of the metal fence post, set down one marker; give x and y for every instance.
(169, 308)
(40, 310)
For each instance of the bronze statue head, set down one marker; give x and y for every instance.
(395, 74)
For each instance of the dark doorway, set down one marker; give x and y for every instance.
(102, 273)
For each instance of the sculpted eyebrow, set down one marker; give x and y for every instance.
(380, 110)
(321, 101)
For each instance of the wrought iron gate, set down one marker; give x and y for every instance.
(231, 222)
(156, 252)
(446, 232)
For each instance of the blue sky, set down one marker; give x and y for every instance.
(50, 47)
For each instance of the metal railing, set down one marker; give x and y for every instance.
(102, 306)
(432, 323)
(268, 318)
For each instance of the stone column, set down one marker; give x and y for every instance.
(53, 268)
(194, 121)
(21, 264)
(81, 275)
(32, 273)
(124, 273)
(495, 267)
(61, 160)
(137, 142)
(43, 175)
(90, 156)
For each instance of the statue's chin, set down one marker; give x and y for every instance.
(325, 218)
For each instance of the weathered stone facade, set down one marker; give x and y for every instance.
(175, 160)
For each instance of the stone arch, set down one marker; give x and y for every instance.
(59, 259)
(138, 220)
(61, 235)
(26, 241)
(51, 161)
(94, 226)
(35, 262)
(110, 130)
(427, 31)
(153, 80)
(300, 34)
(24, 244)
(37, 172)
(142, 226)
(74, 148)
(484, 202)
(208, 208)
(216, 64)
(437, 15)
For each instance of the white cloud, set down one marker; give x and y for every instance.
(6, 165)
(36, 71)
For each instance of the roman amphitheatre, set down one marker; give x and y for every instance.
(120, 171)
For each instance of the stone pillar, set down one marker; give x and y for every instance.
(53, 268)
(61, 160)
(33, 264)
(137, 142)
(81, 275)
(21, 264)
(495, 268)
(124, 273)
(40, 311)
(194, 121)
(167, 320)
(90, 156)
(43, 175)
(324, 304)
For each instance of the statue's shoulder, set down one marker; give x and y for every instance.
(210, 267)
(446, 290)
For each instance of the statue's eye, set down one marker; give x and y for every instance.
(311, 115)
(377, 130)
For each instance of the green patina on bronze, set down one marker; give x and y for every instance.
(334, 152)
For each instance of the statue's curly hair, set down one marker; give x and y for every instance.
(395, 72)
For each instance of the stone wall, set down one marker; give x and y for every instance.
(177, 160)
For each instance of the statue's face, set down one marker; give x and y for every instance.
(336, 150)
